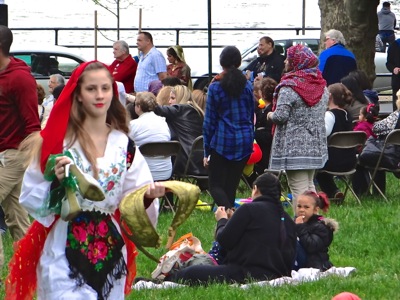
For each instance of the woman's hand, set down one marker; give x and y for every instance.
(205, 162)
(155, 190)
(220, 213)
(269, 115)
(230, 212)
(59, 168)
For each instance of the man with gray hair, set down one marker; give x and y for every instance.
(54, 81)
(124, 66)
(336, 61)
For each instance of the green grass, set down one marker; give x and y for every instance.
(368, 239)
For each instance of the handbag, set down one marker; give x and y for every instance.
(185, 252)
(372, 150)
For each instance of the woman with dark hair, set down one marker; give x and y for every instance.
(300, 100)
(337, 119)
(259, 239)
(359, 99)
(177, 66)
(228, 128)
(366, 85)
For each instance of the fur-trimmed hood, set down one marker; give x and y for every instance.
(331, 223)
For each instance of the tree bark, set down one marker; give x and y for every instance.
(358, 21)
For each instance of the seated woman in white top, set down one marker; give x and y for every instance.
(150, 128)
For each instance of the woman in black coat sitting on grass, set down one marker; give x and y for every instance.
(259, 240)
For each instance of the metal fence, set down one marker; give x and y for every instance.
(177, 32)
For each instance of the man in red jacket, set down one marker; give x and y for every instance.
(124, 66)
(18, 118)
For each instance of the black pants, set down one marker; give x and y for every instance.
(327, 184)
(205, 274)
(395, 88)
(361, 180)
(223, 178)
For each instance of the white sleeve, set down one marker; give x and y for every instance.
(35, 190)
(137, 176)
(329, 122)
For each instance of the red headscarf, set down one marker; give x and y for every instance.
(305, 78)
(56, 128)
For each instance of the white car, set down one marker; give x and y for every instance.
(381, 83)
(45, 60)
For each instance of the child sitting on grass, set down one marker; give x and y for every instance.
(314, 232)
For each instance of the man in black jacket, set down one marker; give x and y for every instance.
(393, 65)
(269, 63)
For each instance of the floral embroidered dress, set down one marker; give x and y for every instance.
(95, 235)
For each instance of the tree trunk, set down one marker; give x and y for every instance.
(358, 21)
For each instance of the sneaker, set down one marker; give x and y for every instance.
(339, 197)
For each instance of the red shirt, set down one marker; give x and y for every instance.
(124, 71)
(18, 104)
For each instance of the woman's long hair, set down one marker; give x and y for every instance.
(232, 81)
(184, 96)
(117, 118)
(352, 85)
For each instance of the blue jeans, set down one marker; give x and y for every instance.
(301, 257)
(387, 37)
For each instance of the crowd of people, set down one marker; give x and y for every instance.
(288, 106)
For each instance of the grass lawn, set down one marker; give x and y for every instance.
(368, 239)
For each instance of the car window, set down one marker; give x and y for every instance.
(43, 64)
(25, 58)
(280, 47)
(313, 44)
(66, 65)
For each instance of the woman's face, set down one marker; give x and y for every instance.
(172, 98)
(170, 58)
(96, 93)
(306, 207)
(288, 66)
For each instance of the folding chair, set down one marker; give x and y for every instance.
(346, 140)
(393, 138)
(197, 147)
(162, 150)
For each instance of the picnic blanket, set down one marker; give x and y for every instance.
(300, 276)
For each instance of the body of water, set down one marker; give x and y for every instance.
(162, 14)
(155, 13)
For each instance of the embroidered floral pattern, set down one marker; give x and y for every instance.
(110, 177)
(94, 235)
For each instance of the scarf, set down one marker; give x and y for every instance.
(305, 78)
